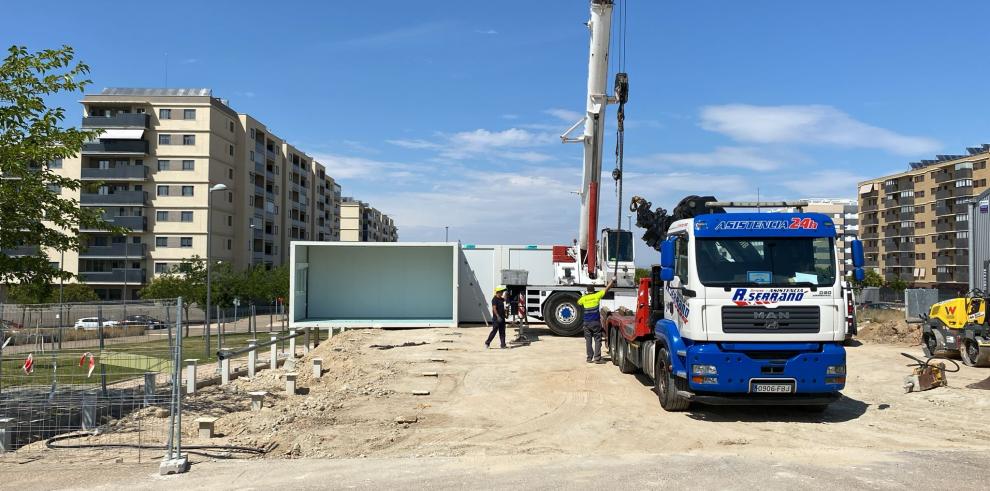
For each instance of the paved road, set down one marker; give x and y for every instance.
(902, 470)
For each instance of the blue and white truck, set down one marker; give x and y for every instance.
(744, 308)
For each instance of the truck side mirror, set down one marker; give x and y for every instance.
(857, 252)
(667, 259)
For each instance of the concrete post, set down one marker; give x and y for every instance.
(206, 425)
(252, 357)
(317, 367)
(306, 343)
(292, 344)
(273, 360)
(88, 415)
(149, 388)
(225, 371)
(290, 383)
(257, 400)
(6, 435)
(191, 375)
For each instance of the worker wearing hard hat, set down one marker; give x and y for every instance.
(498, 317)
(593, 322)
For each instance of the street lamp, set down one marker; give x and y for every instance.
(209, 204)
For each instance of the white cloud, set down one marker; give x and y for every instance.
(825, 184)
(189, 61)
(414, 144)
(741, 157)
(565, 115)
(812, 124)
(510, 116)
(349, 167)
(486, 31)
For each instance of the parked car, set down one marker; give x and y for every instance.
(94, 323)
(144, 320)
(7, 325)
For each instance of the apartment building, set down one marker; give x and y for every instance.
(151, 171)
(359, 222)
(846, 219)
(915, 224)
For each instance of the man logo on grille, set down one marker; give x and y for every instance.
(771, 319)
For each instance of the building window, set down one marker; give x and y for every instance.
(55, 164)
(161, 268)
(165, 139)
(251, 154)
(186, 216)
(230, 220)
(229, 244)
(185, 241)
(164, 114)
(230, 173)
(920, 193)
(919, 240)
(919, 178)
(962, 183)
(162, 190)
(164, 164)
(920, 256)
(963, 234)
(188, 114)
(188, 164)
(187, 190)
(230, 197)
(161, 216)
(230, 150)
(188, 139)
(231, 123)
(161, 241)
(919, 224)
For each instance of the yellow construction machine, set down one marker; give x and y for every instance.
(959, 325)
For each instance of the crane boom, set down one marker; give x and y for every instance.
(600, 26)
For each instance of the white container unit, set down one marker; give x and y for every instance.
(373, 284)
(480, 273)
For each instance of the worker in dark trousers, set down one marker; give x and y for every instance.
(498, 317)
(593, 322)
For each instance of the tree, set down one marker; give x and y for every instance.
(642, 273)
(897, 285)
(871, 278)
(31, 139)
(170, 285)
(72, 293)
(29, 292)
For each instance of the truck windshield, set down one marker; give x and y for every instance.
(620, 242)
(799, 261)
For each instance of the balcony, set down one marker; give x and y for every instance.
(120, 173)
(906, 215)
(134, 224)
(960, 258)
(945, 226)
(868, 207)
(871, 248)
(954, 275)
(962, 244)
(114, 251)
(904, 245)
(259, 167)
(121, 120)
(22, 251)
(116, 275)
(116, 147)
(869, 235)
(119, 198)
(943, 193)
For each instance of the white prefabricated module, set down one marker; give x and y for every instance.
(480, 273)
(373, 284)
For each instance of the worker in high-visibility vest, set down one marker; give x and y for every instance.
(593, 321)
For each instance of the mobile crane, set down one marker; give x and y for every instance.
(590, 261)
(744, 308)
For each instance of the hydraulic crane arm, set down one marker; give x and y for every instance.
(600, 26)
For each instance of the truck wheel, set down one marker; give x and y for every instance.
(622, 350)
(931, 344)
(667, 384)
(563, 314)
(613, 346)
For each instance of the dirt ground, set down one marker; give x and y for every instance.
(543, 399)
(887, 326)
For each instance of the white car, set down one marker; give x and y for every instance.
(94, 323)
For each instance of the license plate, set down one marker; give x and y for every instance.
(773, 388)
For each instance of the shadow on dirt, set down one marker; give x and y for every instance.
(843, 410)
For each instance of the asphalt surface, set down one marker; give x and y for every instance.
(929, 470)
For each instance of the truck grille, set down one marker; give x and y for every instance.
(784, 320)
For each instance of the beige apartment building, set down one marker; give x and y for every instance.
(914, 225)
(151, 171)
(359, 222)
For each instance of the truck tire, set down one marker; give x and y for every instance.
(666, 384)
(613, 346)
(563, 314)
(622, 350)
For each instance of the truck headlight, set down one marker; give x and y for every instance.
(835, 370)
(704, 370)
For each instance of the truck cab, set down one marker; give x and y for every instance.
(745, 308)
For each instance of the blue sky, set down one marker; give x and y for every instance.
(447, 112)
